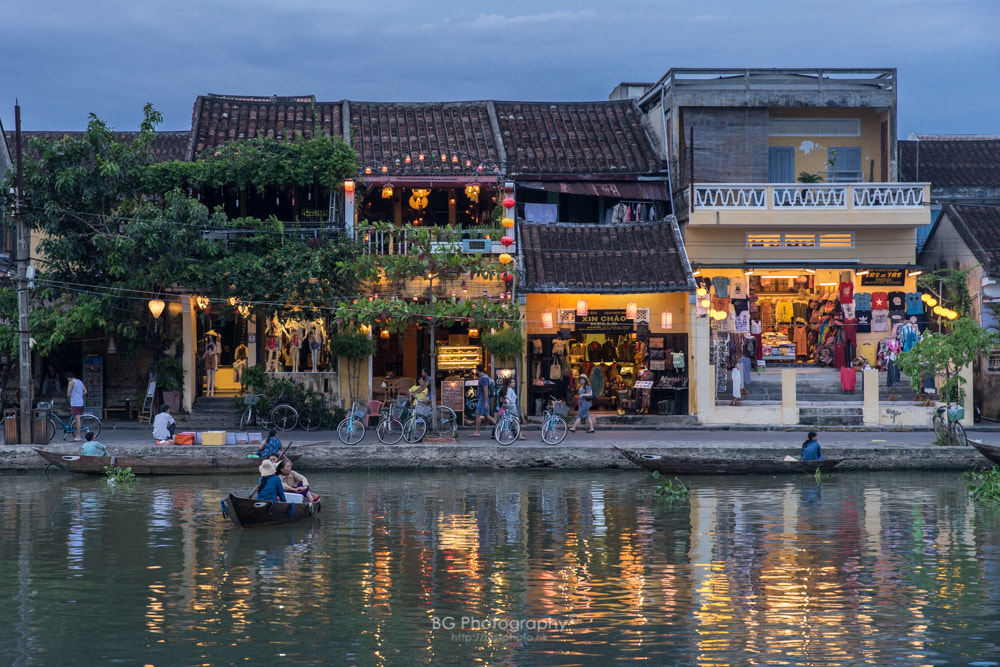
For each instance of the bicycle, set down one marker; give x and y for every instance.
(352, 429)
(390, 426)
(310, 416)
(89, 423)
(946, 424)
(508, 427)
(283, 416)
(554, 422)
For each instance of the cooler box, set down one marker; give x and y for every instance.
(184, 439)
(213, 438)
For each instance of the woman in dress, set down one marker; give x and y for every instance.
(295, 482)
(584, 396)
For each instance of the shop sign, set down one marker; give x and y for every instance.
(453, 395)
(605, 319)
(884, 278)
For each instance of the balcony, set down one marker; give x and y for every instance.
(399, 241)
(776, 204)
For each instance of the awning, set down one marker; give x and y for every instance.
(618, 189)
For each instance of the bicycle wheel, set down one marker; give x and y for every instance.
(284, 417)
(940, 428)
(446, 420)
(90, 424)
(959, 432)
(389, 431)
(553, 430)
(414, 429)
(310, 418)
(507, 430)
(246, 418)
(351, 431)
(50, 430)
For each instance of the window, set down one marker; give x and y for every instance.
(993, 362)
(845, 240)
(755, 240)
(815, 127)
(799, 240)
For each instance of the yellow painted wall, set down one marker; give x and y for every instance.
(676, 303)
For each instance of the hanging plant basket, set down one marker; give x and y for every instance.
(504, 344)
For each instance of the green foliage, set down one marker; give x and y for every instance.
(806, 177)
(952, 286)
(253, 378)
(169, 374)
(120, 477)
(506, 343)
(670, 489)
(351, 345)
(984, 485)
(944, 355)
(276, 391)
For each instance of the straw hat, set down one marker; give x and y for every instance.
(267, 468)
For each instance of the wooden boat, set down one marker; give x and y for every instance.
(992, 452)
(155, 465)
(247, 512)
(686, 465)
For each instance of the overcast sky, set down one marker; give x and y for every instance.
(65, 59)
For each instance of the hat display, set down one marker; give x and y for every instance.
(267, 468)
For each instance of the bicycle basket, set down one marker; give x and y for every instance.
(359, 410)
(560, 408)
(396, 410)
(43, 405)
(422, 410)
(251, 399)
(956, 413)
(402, 402)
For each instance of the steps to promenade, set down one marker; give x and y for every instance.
(210, 413)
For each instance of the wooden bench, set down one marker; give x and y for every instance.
(130, 410)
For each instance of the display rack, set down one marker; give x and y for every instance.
(456, 357)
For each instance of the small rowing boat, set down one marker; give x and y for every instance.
(154, 465)
(992, 452)
(247, 512)
(687, 465)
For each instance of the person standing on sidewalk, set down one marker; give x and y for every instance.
(584, 395)
(75, 391)
(482, 399)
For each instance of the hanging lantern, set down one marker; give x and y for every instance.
(112, 348)
(631, 310)
(387, 191)
(508, 202)
(202, 302)
(581, 308)
(547, 320)
(156, 307)
(507, 241)
(385, 333)
(473, 332)
(506, 276)
(925, 297)
(702, 291)
(465, 288)
(932, 302)
(507, 222)
(505, 258)
(705, 303)
(244, 310)
(666, 320)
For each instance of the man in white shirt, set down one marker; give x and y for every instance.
(163, 424)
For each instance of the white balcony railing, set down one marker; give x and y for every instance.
(398, 241)
(811, 196)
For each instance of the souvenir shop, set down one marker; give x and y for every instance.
(633, 349)
(825, 317)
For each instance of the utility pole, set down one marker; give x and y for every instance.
(23, 257)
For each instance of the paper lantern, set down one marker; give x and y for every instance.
(932, 302)
(507, 241)
(666, 320)
(156, 307)
(387, 192)
(581, 308)
(385, 333)
(547, 320)
(508, 202)
(631, 310)
(705, 303)
(925, 297)
(506, 276)
(702, 291)
(507, 222)
(505, 258)
(349, 187)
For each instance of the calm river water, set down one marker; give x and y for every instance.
(503, 568)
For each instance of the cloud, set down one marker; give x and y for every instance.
(499, 21)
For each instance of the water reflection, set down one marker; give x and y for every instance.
(506, 568)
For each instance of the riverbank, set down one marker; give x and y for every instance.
(321, 450)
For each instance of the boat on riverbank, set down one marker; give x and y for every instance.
(992, 452)
(248, 513)
(154, 465)
(686, 465)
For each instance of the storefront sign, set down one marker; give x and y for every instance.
(610, 320)
(884, 278)
(453, 395)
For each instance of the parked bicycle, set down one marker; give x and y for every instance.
(352, 429)
(554, 422)
(508, 427)
(283, 416)
(946, 424)
(401, 421)
(89, 423)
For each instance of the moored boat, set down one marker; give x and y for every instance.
(992, 452)
(154, 465)
(247, 512)
(688, 465)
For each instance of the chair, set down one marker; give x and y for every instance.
(374, 408)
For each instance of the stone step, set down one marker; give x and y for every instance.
(831, 415)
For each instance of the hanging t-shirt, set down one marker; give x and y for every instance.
(783, 312)
(738, 288)
(720, 304)
(741, 322)
(897, 306)
(914, 306)
(862, 300)
(864, 318)
(755, 327)
(867, 352)
(847, 292)
(880, 301)
(880, 320)
(848, 309)
(721, 285)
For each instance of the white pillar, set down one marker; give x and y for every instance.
(189, 331)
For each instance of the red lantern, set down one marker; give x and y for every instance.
(506, 276)
(508, 202)
(507, 240)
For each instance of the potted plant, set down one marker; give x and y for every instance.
(170, 380)
(504, 344)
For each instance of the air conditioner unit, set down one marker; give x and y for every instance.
(472, 246)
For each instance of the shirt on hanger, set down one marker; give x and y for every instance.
(914, 306)
(862, 301)
(880, 301)
(738, 288)
(880, 320)
(721, 284)
(897, 306)
(846, 292)
(849, 310)
(864, 318)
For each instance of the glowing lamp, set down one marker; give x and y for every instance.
(505, 258)
(932, 302)
(385, 333)
(387, 192)
(631, 310)
(666, 320)
(349, 187)
(507, 222)
(925, 297)
(473, 332)
(547, 320)
(702, 291)
(508, 202)
(507, 240)
(705, 303)
(938, 310)
(156, 307)
(581, 308)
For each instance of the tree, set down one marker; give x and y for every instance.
(944, 355)
(355, 348)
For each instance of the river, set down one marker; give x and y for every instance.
(503, 568)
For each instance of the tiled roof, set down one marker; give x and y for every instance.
(620, 258)
(569, 138)
(385, 132)
(951, 162)
(221, 118)
(979, 226)
(168, 145)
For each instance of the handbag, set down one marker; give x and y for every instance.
(555, 370)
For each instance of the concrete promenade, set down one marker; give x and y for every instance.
(321, 450)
